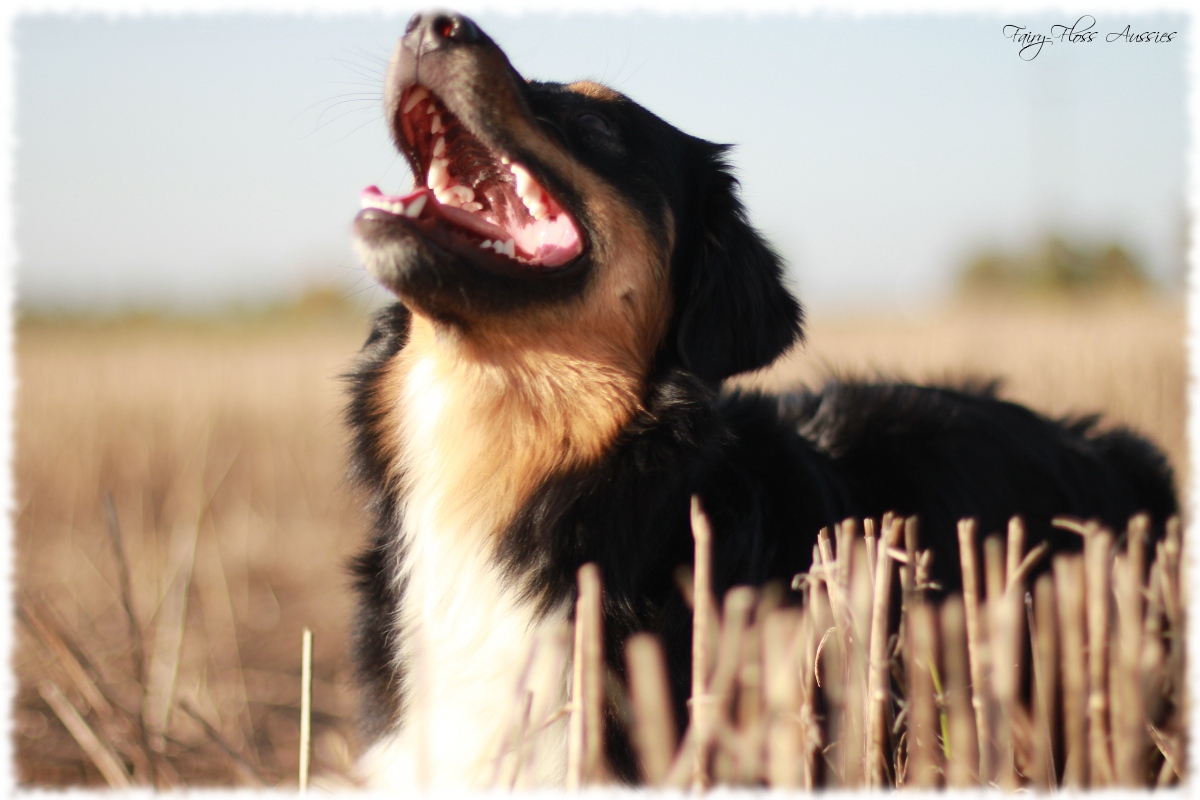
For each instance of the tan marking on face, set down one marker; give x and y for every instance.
(596, 91)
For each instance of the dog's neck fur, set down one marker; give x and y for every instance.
(480, 430)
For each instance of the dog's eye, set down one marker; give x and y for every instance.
(596, 123)
(553, 129)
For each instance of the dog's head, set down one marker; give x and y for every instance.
(564, 216)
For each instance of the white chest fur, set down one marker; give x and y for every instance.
(483, 671)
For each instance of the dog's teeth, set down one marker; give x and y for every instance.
(436, 125)
(487, 244)
(523, 179)
(457, 195)
(535, 204)
(530, 191)
(418, 94)
(510, 248)
(438, 178)
(431, 109)
(397, 208)
(439, 147)
(414, 208)
(504, 160)
(472, 206)
(498, 246)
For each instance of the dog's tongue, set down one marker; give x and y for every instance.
(549, 242)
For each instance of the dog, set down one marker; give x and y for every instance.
(575, 279)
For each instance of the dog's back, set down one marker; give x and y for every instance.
(951, 453)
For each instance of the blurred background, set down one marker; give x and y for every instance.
(192, 163)
(187, 298)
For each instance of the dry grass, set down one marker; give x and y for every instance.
(866, 707)
(223, 453)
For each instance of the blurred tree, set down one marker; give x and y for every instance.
(1054, 267)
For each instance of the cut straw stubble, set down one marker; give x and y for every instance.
(1044, 657)
(922, 718)
(762, 672)
(1129, 731)
(306, 651)
(976, 655)
(704, 624)
(1097, 555)
(1004, 613)
(783, 630)
(962, 755)
(585, 742)
(861, 759)
(1069, 593)
(654, 732)
(877, 677)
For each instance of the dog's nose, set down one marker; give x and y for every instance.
(430, 30)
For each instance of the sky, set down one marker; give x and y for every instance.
(191, 162)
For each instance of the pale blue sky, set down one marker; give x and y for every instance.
(193, 161)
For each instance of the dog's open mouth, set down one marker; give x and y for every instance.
(484, 199)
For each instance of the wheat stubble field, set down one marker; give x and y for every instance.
(210, 456)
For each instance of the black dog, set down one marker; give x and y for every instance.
(576, 278)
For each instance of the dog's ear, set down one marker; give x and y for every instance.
(732, 311)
